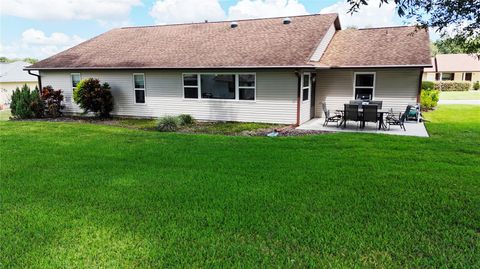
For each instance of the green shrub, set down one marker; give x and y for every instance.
(92, 96)
(26, 104)
(429, 99)
(186, 119)
(428, 85)
(476, 85)
(168, 124)
(53, 101)
(447, 86)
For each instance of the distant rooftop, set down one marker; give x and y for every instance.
(454, 63)
(13, 72)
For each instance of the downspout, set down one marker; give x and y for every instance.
(39, 78)
(420, 86)
(299, 81)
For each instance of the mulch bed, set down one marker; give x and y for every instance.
(282, 131)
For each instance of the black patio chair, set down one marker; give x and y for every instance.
(370, 114)
(329, 117)
(356, 102)
(350, 113)
(400, 121)
(378, 103)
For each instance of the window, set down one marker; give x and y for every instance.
(190, 86)
(246, 86)
(139, 88)
(468, 76)
(219, 86)
(447, 76)
(75, 79)
(364, 86)
(306, 87)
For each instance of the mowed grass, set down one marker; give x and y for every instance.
(90, 196)
(470, 95)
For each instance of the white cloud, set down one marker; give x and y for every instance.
(37, 44)
(246, 9)
(179, 11)
(104, 11)
(183, 11)
(370, 15)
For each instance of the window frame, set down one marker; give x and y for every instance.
(452, 73)
(465, 76)
(365, 87)
(237, 86)
(309, 86)
(71, 84)
(144, 89)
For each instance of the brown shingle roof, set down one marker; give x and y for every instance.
(389, 46)
(255, 42)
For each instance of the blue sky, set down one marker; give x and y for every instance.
(38, 28)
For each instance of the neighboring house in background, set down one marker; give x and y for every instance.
(12, 76)
(453, 67)
(276, 70)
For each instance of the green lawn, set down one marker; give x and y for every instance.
(87, 196)
(470, 95)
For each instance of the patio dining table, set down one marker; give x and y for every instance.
(380, 114)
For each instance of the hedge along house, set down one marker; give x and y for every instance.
(276, 70)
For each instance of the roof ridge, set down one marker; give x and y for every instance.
(224, 21)
(386, 27)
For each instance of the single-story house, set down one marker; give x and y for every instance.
(12, 76)
(276, 70)
(453, 67)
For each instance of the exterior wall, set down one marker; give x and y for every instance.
(6, 89)
(396, 87)
(276, 95)
(428, 76)
(458, 76)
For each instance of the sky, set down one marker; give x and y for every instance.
(39, 28)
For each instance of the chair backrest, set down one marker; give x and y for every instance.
(325, 110)
(370, 113)
(351, 112)
(378, 103)
(404, 116)
(356, 102)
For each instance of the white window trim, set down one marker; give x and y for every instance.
(237, 87)
(71, 84)
(309, 86)
(139, 89)
(365, 73)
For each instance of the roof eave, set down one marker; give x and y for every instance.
(170, 68)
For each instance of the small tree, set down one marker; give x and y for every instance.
(26, 104)
(53, 101)
(92, 96)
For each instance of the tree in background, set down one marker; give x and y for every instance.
(10, 60)
(458, 22)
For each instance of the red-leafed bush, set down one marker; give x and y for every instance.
(92, 96)
(53, 101)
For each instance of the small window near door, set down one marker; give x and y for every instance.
(75, 79)
(306, 87)
(139, 88)
(364, 86)
(447, 76)
(468, 76)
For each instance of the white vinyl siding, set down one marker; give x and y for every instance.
(396, 87)
(275, 96)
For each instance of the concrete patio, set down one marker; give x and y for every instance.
(412, 128)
